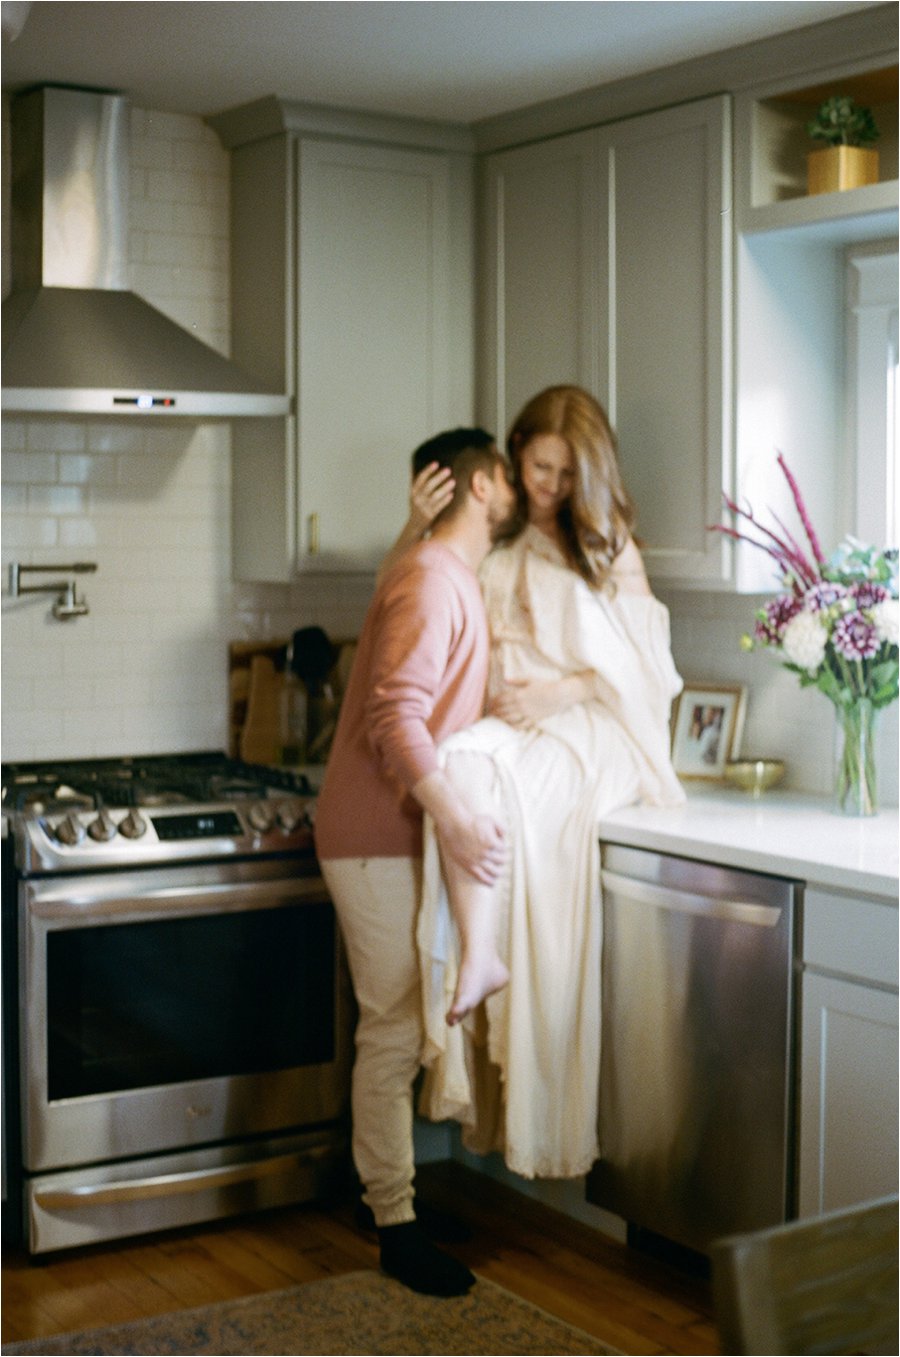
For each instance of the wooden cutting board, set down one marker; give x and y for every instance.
(254, 696)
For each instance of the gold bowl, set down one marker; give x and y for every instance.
(754, 775)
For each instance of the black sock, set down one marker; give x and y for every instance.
(440, 1227)
(409, 1255)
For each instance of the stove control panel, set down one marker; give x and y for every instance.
(200, 824)
(82, 839)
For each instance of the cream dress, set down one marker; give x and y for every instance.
(521, 1072)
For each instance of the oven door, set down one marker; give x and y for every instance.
(177, 1007)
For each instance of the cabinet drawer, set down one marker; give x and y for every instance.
(851, 935)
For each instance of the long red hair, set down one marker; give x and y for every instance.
(597, 519)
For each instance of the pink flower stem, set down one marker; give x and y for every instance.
(801, 510)
(788, 561)
(811, 570)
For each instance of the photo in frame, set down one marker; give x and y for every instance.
(707, 725)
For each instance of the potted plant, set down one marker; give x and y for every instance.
(847, 159)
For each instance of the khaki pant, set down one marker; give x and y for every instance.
(377, 902)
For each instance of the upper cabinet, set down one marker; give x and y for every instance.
(678, 270)
(715, 333)
(606, 262)
(374, 332)
(352, 285)
(543, 295)
(669, 268)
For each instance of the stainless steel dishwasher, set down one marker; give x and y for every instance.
(697, 1038)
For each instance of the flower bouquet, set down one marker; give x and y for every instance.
(835, 624)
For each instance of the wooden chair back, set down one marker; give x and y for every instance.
(824, 1285)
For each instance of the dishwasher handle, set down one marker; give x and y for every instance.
(687, 902)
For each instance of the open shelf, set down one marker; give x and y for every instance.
(771, 149)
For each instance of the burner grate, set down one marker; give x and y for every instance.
(154, 780)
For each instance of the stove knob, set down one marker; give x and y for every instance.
(134, 825)
(290, 815)
(70, 831)
(261, 816)
(103, 828)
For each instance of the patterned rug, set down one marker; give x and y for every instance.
(358, 1312)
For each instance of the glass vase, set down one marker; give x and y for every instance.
(854, 785)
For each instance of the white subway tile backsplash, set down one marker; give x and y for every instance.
(116, 436)
(29, 468)
(78, 532)
(176, 186)
(85, 469)
(56, 499)
(90, 661)
(55, 435)
(148, 215)
(175, 127)
(54, 691)
(192, 157)
(152, 153)
(15, 498)
(14, 434)
(24, 535)
(201, 220)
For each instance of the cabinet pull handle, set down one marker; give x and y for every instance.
(686, 902)
(314, 534)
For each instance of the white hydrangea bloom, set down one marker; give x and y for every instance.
(886, 619)
(803, 641)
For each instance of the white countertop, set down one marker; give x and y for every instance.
(781, 833)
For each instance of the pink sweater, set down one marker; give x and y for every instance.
(419, 674)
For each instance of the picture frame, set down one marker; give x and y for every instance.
(707, 725)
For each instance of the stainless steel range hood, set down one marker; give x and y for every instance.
(75, 339)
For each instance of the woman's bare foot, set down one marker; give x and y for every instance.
(476, 980)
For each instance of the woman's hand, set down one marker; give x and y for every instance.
(525, 702)
(430, 493)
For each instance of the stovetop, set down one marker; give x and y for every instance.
(78, 814)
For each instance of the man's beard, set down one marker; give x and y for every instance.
(504, 523)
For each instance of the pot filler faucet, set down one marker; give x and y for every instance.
(67, 604)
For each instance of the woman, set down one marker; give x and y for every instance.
(579, 695)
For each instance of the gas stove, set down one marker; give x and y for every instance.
(104, 813)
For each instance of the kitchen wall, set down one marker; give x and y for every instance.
(150, 503)
(783, 719)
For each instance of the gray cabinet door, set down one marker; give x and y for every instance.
(543, 281)
(607, 263)
(374, 339)
(669, 284)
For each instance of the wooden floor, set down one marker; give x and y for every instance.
(632, 1302)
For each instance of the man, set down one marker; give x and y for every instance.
(419, 674)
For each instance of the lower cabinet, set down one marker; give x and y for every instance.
(848, 1086)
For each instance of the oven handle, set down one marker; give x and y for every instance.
(87, 901)
(173, 1184)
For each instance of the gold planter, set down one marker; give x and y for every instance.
(840, 167)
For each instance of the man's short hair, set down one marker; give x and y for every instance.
(462, 452)
(444, 448)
